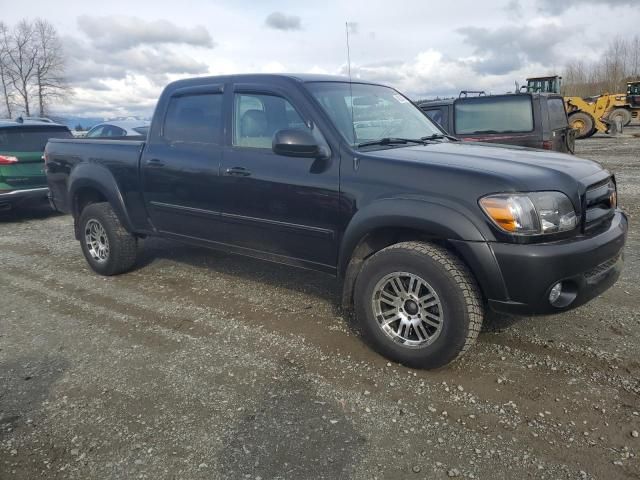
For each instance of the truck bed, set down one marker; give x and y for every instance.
(65, 158)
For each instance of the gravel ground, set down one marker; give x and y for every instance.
(203, 365)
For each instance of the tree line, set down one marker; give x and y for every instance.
(31, 68)
(619, 63)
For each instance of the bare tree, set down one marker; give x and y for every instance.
(23, 55)
(634, 57)
(49, 77)
(5, 79)
(619, 63)
(31, 66)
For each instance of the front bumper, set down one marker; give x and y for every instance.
(587, 264)
(16, 197)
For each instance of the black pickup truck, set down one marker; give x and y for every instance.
(427, 234)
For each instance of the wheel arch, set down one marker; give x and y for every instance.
(92, 185)
(381, 227)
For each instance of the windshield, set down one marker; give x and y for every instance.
(378, 112)
(493, 115)
(30, 139)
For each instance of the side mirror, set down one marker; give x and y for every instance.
(296, 143)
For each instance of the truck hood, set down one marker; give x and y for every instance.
(526, 167)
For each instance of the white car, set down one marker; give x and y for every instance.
(120, 128)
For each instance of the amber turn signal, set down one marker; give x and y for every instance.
(499, 211)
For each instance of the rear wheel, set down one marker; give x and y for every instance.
(621, 113)
(583, 123)
(107, 246)
(418, 304)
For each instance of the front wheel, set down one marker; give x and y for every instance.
(418, 304)
(583, 123)
(106, 244)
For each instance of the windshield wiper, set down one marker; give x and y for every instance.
(437, 136)
(390, 141)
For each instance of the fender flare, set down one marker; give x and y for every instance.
(469, 240)
(434, 219)
(99, 178)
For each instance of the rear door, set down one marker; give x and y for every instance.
(562, 136)
(180, 166)
(26, 144)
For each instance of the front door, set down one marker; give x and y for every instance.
(284, 207)
(180, 170)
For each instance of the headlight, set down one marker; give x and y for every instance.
(530, 213)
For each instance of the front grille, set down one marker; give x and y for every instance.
(594, 274)
(599, 203)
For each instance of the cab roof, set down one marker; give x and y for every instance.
(276, 78)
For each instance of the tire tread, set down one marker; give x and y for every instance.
(124, 245)
(461, 275)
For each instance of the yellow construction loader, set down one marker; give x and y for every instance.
(593, 114)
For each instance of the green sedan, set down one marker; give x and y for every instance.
(22, 178)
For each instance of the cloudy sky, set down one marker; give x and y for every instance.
(120, 54)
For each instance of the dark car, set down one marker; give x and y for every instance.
(533, 120)
(22, 142)
(427, 234)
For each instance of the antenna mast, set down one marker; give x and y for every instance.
(346, 25)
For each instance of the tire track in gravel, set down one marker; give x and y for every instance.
(287, 324)
(118, 323)
(491, 421)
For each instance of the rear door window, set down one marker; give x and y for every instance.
(194, 118)
(511, 114)
(29, 139)
(557, 113)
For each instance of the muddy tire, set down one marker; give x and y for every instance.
(107, 246)
(583, 123)
(417, 304)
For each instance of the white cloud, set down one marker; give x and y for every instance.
(114, 33)
(557, 7)
(123, 55)
(427, 74)
(132, 95)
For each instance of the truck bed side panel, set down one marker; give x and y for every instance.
(109, 166)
